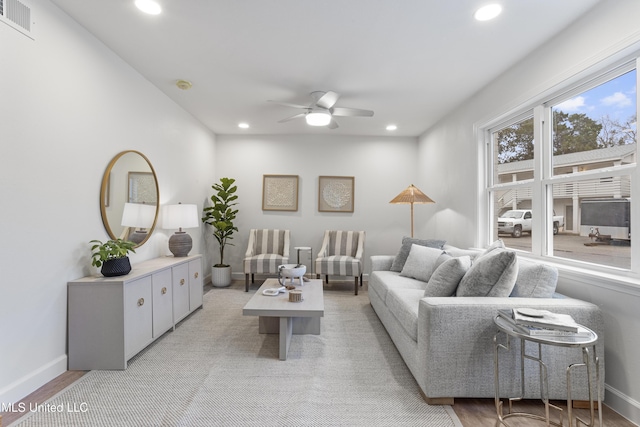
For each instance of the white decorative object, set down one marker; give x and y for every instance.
(335, 193)
(293, 271)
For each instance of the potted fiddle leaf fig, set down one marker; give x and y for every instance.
(112, 256)
(220, 215)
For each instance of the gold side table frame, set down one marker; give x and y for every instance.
(590, 360)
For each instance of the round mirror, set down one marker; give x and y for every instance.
(129, 197)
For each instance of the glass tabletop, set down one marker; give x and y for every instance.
(585, 338)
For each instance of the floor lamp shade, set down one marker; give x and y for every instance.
(180, 216)
(138, 215)
(409, 196)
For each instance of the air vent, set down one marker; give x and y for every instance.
(17, 14)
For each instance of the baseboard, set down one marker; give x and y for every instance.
(33, 381)
(622, 404)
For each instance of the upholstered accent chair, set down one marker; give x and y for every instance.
(341, 255)
(266, 250)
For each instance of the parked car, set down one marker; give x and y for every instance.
(518, 221)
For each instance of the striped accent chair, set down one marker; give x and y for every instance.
(267, 249)
(341, 255)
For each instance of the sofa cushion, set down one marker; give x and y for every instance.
(402, 255)
(497, 244)
(492, 275)
(403, 304)
(421, 262)
(381, 281)
(535, 280)
(445, 279)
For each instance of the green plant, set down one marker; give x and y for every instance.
(111, 249)
(222, 214)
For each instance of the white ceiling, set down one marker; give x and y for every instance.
(411, 61)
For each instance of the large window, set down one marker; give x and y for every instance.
(561, 173)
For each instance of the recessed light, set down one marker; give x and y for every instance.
(149, 6)
(488, 12)
(184, 84)
(392, 127)
(243, 125)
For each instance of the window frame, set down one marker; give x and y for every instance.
(543, 178)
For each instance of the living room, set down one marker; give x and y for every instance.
(69, 104)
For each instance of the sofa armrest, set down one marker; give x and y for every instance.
(381, 262)
(455, 340)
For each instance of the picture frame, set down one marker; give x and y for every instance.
(142, 188)
(336, 193)
(280, 193)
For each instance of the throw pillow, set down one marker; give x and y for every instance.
(535, 280)
(491, 275)
(421, 262)
(445, 279)
(402, 255)
(498, 244)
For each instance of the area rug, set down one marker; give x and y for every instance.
(215, 369)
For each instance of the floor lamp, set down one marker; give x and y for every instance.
(410, 196)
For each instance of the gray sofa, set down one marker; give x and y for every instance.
(447, 341)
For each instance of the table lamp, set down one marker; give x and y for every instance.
(180, 216)
(138, 215)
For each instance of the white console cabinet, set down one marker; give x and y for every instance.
(110, 319)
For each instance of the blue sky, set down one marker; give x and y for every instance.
(615, 98)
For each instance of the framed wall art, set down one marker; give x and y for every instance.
(142, 188)
(280, 192)
(335, 193)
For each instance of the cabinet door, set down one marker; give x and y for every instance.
(195, 284)
(180, 292)
(162, 302)
(138, 329)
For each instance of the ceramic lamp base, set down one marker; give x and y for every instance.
(180, 244)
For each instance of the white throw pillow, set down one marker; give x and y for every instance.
(421, 262)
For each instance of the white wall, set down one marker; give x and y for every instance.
(450, 154)
(382, 168)
(67, 106)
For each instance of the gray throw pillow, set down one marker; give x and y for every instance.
(421, 262)
(535, 280)
(402, 255)
(491, 275)
(444, 281)
(497, 244)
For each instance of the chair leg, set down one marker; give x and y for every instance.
(360, 280)
(356, 284)
(253, 278)
(246, 282)
(326, 279)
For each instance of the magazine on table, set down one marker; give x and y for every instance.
(545, 323)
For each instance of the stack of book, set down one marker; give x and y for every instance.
(542, 323)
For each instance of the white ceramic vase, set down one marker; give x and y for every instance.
(221, 276)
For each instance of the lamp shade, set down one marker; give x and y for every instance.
(179, 216)
(138, 215)
(411, 195)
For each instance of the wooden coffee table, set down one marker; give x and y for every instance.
(277, 315)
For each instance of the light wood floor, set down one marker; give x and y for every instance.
(472, 412)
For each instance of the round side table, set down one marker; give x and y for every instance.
(589, 359)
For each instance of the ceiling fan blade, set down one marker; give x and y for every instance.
(333, 124)
(328, 100)
(292, 117)
(351, 112)
(287, 104)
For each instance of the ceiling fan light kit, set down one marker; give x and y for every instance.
(322, 110)
(318, 118)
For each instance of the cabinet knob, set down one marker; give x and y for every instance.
(140, 302)
(163, 290)
(195, 275)
(181, 282)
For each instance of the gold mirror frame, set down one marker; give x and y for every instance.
(114, 195)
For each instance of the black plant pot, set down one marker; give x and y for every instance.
(116, 267)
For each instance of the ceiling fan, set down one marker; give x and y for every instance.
(322, 110)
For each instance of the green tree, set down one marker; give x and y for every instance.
(574, 132)
(515, 142)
